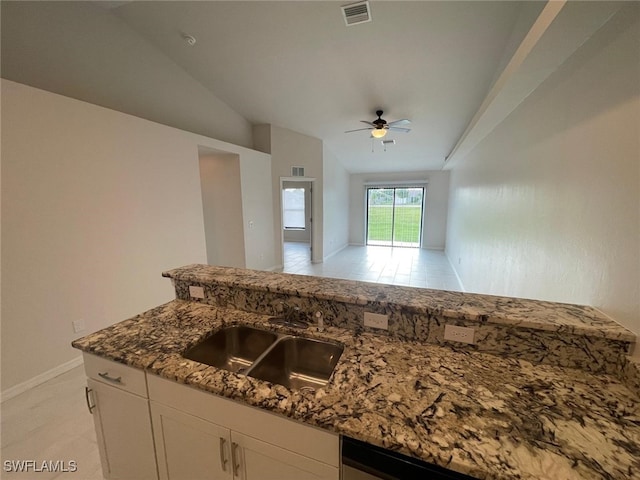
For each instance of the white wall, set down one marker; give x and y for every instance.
(287, 149)
(434, 222)
(336, 204)
(257, 211)
(548, 205)
(222, 209)
(95, 205)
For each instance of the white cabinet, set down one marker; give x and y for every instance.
(149, 428)
(188, 447)
(122, 421)
(200, 436)
(257, 460)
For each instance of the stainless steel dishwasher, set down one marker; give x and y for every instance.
(362, 461)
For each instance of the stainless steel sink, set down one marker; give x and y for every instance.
(292, 361)
(297, 362)
(233, 348)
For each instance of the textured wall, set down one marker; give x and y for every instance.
(548, 205)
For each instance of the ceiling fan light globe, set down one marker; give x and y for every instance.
(378, 132)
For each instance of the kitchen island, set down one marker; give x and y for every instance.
(469, 408)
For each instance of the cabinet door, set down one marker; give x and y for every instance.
(257, 460)
(188, 447)
(123, 430)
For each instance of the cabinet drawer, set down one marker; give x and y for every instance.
(115, 374)
(275, 429)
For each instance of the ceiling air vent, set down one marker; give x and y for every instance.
(356, 13)
(297, 171)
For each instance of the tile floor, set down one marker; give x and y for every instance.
(413, 267)
(51, 421)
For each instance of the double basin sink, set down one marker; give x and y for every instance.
(289, 360)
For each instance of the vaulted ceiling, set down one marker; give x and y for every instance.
(297, 65)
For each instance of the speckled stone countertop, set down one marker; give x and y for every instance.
(484, 415)
(533, 314)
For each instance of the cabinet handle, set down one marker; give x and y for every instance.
(106, 376)
(87, 391)
(234, 458)
(222, 459)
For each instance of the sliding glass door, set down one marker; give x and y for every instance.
(394, 216)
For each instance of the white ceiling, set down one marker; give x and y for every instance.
(296, 65)
(455, 69)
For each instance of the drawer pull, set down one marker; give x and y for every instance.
(106, 376)
(87, 391)
(234, 458)
(223, 460)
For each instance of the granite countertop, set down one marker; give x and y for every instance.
(487, 416)
(533, 314)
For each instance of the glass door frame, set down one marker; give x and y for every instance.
(394, 188)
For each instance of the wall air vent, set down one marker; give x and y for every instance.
(297, 171)
(356, 13)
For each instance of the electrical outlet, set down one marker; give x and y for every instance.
(459, 334)
(376, 320)
(78, 326)
(196, 292)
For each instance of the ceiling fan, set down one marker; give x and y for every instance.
(379, 126)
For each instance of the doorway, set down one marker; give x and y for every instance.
(394, 216)
(297, 221)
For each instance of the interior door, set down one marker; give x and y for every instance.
(394, 216)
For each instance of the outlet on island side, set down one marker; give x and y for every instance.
(459, 334)
(196, 292)
(376, 320)
(78, 326)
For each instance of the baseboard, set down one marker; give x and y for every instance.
(335, 252)
(455, 272)
(39, 379)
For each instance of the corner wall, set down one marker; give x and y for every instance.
(336, 204)
(287, 149)
(548, 205)
(257, 210)
(222, 209)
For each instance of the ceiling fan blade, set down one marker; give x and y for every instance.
(402, 121)
(368, 123)
(400, 129)
(358, 130)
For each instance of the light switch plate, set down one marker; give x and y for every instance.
(459, 334)
(78, 326)
(196, 292)
(376, 320)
